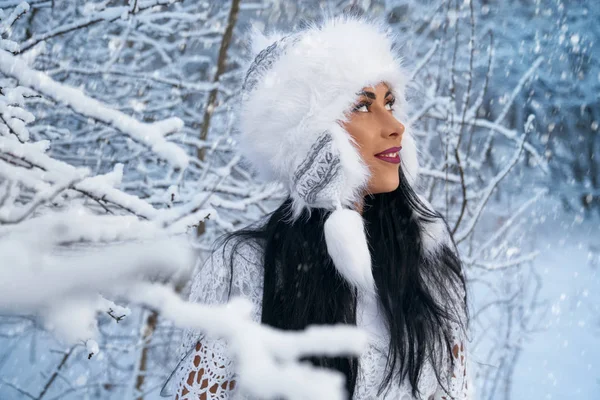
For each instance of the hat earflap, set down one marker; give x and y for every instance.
(348, 248)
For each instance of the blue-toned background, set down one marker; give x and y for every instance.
(515, 84)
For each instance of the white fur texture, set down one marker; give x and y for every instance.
(347, 246)
(309, 89)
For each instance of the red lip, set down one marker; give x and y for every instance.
(390, 150)
(393, 160)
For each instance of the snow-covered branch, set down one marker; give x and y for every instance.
(61, 285)
(151, 135)
(106, 15)
(267, 359)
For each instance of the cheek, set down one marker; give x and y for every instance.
(384, 177)
(359, 131)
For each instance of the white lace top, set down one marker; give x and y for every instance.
(208, 373)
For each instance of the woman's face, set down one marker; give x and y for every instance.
(378, 136)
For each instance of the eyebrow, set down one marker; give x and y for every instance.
(372, 95)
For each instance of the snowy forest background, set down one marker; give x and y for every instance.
(119, 167)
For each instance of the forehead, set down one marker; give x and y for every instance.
(382, 87)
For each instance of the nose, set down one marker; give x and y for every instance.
(392, 128)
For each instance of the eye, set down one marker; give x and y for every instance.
(362, 107)
(389, 105)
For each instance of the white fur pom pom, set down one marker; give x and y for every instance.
(348, 248)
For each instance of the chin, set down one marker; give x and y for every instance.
(386, 187)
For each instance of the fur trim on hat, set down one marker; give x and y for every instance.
(308, 87)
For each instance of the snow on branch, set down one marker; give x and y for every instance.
(107, 15)
(487, 192)
(19, 10)
(267, 359)
(55, 171)
(62, 285)
(151, 135)
(7, 22)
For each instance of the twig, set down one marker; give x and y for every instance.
(17, 388)
(508, 223)
(495, 266)
(221, 64)
(41, 199)
(55, 373)
(426, 58)
(463, 188)
(116, 318)
(459, 237)
(477, 104)
(515, 92)
(150, 327)
(108, 15)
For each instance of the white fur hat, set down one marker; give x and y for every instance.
(296, 92)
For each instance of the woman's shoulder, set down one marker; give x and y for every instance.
(233, 268)
(236, 252)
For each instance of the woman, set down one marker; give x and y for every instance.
(323, 113)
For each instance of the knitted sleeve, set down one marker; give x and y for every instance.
(456, 382)
(437, 236)
(207, 372)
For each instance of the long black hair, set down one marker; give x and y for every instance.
(415, 285)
